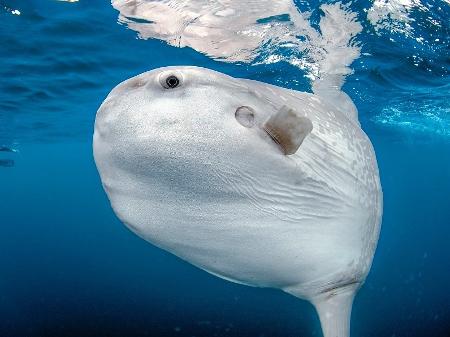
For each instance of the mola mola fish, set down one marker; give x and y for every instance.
(256, 184)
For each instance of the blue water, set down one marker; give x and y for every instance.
(68, 267)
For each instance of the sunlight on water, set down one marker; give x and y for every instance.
(394, 15)
(427, 118)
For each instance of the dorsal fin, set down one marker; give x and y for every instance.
(327, 90)
(335, 53)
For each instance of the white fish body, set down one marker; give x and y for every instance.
(195, 170)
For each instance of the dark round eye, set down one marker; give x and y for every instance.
(172, 81)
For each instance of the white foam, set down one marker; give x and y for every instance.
(394, 15)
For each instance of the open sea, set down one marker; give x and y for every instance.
(68, 267)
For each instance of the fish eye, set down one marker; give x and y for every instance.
(170, 81)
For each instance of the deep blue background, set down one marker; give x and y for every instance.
(68, 267)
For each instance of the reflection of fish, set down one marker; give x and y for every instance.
(6, 163)
(237, 31)
(224, 29)
(256, 184)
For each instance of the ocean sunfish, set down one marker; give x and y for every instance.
(254, 183)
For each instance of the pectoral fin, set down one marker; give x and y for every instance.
(288, 129)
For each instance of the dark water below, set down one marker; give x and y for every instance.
(68, 267)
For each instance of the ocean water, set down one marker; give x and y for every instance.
(68, 267)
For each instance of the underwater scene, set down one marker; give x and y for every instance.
(70, 267)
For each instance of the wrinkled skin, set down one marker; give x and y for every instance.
(184, 174)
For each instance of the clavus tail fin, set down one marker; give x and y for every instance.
(334, 308)
(333, 54)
